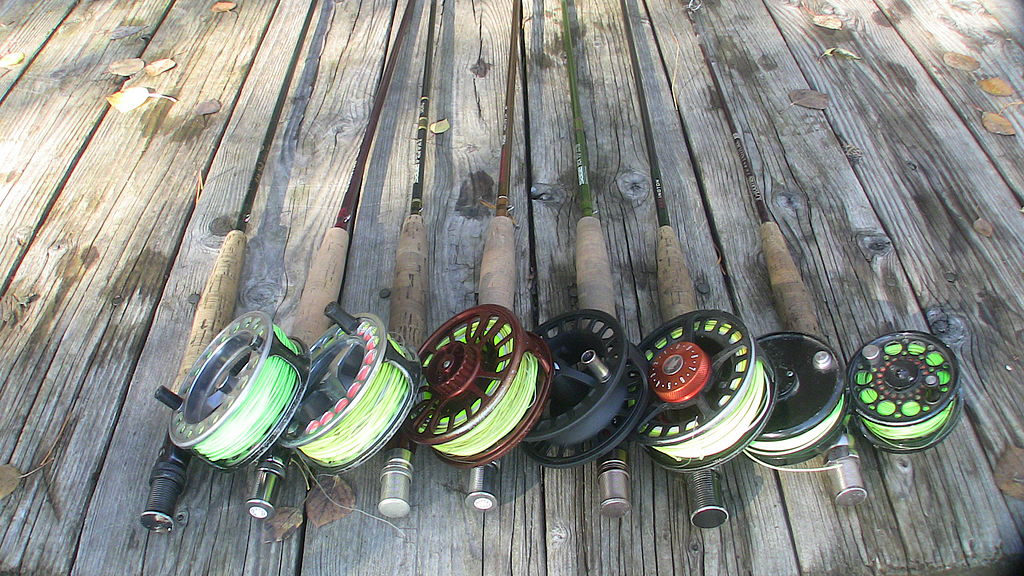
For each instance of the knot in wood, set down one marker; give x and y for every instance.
(949, 327)
(221, 225)
(548, 193)
(787, 199)
(873, 245)
(634, 186)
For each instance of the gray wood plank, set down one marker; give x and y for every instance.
(99, 266)
(25, 26)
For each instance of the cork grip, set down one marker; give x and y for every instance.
(675, 287)
(217, 303)
(409, 289)
(593, 270)
(498, 267)
(792, 300)
(323, 285)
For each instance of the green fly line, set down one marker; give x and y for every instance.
(895, 434)
(264, 400)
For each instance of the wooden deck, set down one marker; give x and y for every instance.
(106, 245)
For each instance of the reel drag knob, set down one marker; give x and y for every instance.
(680, 372)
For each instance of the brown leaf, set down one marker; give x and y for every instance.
(160, 66)
(285, 521)
(984, 227)
(10, 479)
(331, 499)
(208, 107)
(222, 7)
(809, 99)
(125, 31)
(830, 21)
(960, 61)
(131, 98)
(11, 60)
(126, 67)
(996, 86)
(1010, 473)
(997, 124)
(842, 52)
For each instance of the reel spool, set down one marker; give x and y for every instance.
(715, 390)
(598, 393)
(811, 408)
(240, 394)
(906, 391)
(487, 382)
(362, 385)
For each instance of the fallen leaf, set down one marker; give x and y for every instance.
(830, 21)
(997, 124)
(125, 31)
(222, 7)
(984, 227)
(208, 107)
(160, 66)
(126, 67)
(996, 86)
(441, 126)
(282, 524)
(1009, 472)
(841, 52)
(331, 499)
(131, 98)
(11, 60)
(809, 99)
(960, 61)
(10, 479)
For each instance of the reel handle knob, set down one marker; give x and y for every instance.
(270, 475)
(395, 481)
(613, 484)
(166, 483)
(846, 477)
(481, 488)
(704, 493)
(168, 398)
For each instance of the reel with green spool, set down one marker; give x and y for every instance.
(362, 385)
(906, 391)
(487, 382)
(239, 396)
(715, 391)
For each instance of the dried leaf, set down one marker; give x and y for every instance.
(160, 66)
(282, 524)
(960, 61)
(809, 99)
(331, 499)
(11, 60)
(984, 227)
(441, 126)
(830, 21)
(222, 7)
(208, 107)
(125, 31)
(997, 124)
(841, 52)
(126, 67)
(10, 479)
(996, 86)
(1009, 472)
(131, 98)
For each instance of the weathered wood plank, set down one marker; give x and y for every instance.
(138, 434)
(1009, 14)
(25, 26)
(99, 266)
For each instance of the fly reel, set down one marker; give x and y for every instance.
(809, 413)
(240, 394)
(362, 385)
(714, 391)
(487, 382)
(906, 391)
(598, 393)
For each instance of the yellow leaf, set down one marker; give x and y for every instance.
(996, 86)
(126, 67)
(842, 52)
(11, 60)
(160, 66)
(131, 98)
(997, 124)
(960, 61)
(222, 7)
(440, 127)
(830, 21)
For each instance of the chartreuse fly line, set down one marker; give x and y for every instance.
(897, 434)
(510, 409)
(259, 409)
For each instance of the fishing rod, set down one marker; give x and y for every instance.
(487, 378)
(712, 384)
(599, 391)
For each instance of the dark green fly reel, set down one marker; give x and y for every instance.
(906, 391)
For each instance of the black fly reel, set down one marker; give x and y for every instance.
(812, 406)
(598, 394)
(906, 391)
(714, 391)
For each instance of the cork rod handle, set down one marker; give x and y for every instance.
(323, 285)
(593, 270)
(675, 287)
(792, 299)
(497, 266)
(409, 288)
